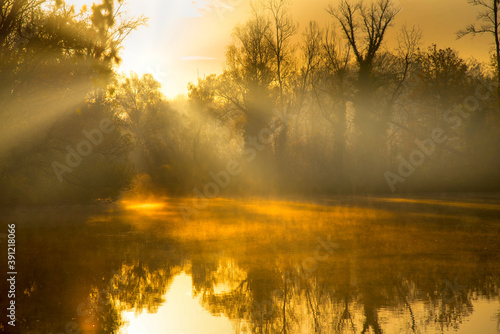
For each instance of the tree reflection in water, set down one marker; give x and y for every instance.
(419, 269)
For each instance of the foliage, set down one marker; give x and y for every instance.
(330, 112)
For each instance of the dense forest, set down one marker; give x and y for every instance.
(312, 111)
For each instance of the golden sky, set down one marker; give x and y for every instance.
(187, 38)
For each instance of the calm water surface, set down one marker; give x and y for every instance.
(345, 265)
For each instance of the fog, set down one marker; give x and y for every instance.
(332, 110)
(338, 178)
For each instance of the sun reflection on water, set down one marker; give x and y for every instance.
(236, 256)
(140, 206)
(181, 313)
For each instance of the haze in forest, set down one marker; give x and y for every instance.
(353, 103)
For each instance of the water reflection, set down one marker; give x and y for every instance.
(348, 266)
(179, 313)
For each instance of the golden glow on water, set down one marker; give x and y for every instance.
(207, 273)
(281, 220)
(180, 314)
(143, 206)
(235, 265)
(184, 313)
(459, 204)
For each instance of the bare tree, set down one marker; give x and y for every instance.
(364, 27)
(249, 76)
(284, 28)
(311, 50)
(489, 18)
(333, 87)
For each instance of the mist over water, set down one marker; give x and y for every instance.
(328, 180)
(251, 266)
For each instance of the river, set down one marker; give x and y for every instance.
(338, 265)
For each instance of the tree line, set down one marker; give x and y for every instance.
(318, 111)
